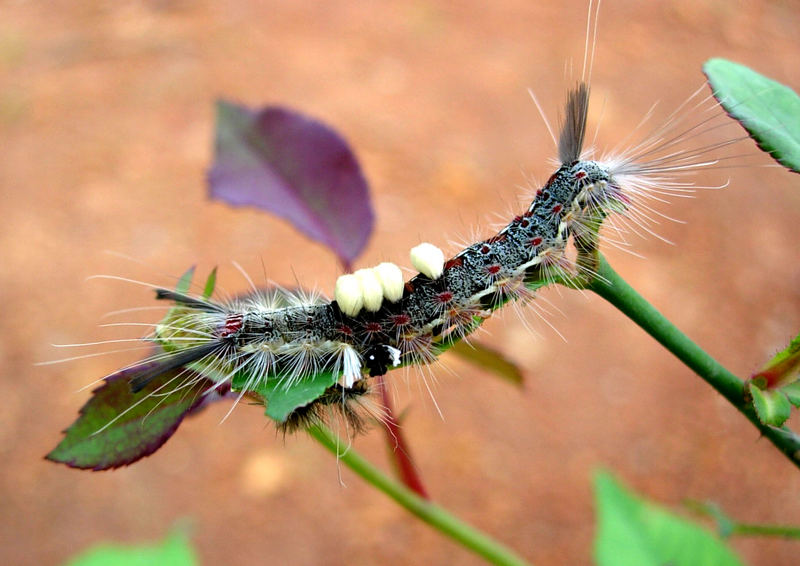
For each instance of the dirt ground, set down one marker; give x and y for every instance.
(106, 120)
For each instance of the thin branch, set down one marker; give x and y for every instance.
(436, 516)
(727, 527)
(609, 285)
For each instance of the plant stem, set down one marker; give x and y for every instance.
(609, 285)
(727, 527)
(784, 531)
(433, 514)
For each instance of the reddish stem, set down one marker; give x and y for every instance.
(401, 455)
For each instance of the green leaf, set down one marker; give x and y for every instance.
(489, 359)
(634, 532)
(185, 282)
(768, 110)
(283, 399)
(772, 407)
(116, 427)
(211, 282)
(175, 550)
(791, 351)
(792, 393)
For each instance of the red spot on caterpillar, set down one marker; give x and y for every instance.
(557, 208)
(494, 269)
(528, 214)
(580, 175)
(454, 262)
(401, 319)
(517, 218)
(445, 297)
(346, 330)
(373, 327)
(485, 249)
(525, 223)
(497, 238)
(409, 287)
(232, 325)
(537, 241)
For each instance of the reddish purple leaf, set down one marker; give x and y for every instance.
(278, 160)
(117, 427)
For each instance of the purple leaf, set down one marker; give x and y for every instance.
(278, 160)
(117, 427)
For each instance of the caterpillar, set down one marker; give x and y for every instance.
(377, 321)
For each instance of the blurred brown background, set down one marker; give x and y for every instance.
(106, 117)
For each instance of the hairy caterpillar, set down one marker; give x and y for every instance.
(377, 321)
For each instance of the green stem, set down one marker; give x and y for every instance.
(727, 527)
(434, 515)
(766, 530)
(609, 285)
